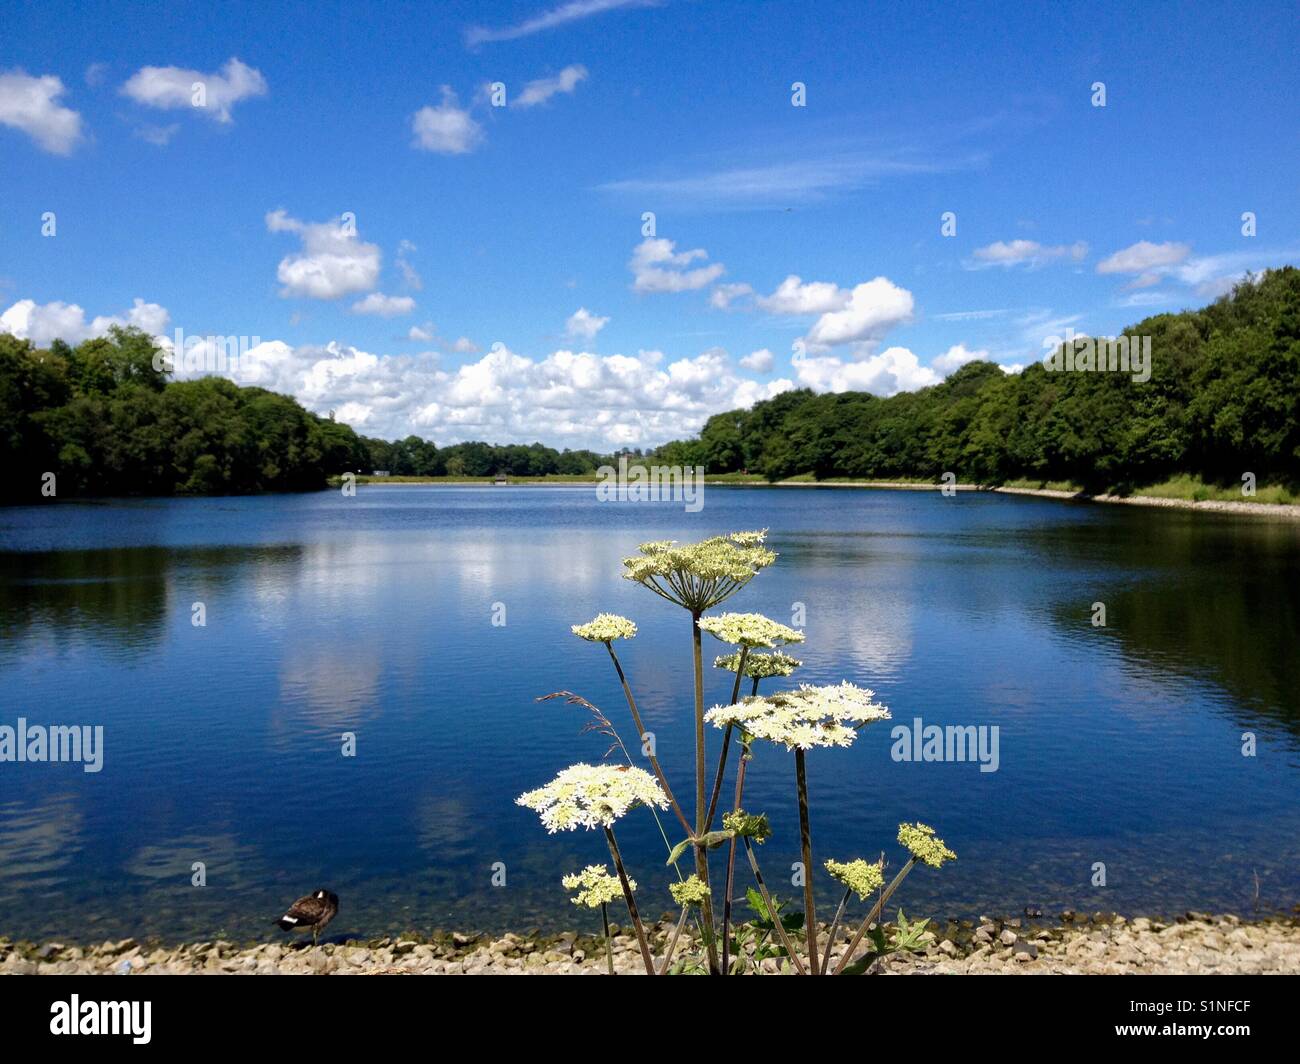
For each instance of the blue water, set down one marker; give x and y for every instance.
(374, 615)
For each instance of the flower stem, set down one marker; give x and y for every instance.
(835, 926)
(731, 870)
(672, 942)
(726, 744)
(771, 910)
(609, 945)
(641, 733)
(701, 851)
(873, 915)
(631, 902)
(805, 841)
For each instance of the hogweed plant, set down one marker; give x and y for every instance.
(698, 578)
(596, 889)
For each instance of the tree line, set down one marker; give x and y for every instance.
(1223, 399)
(103, 419)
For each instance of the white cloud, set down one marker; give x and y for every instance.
(384, 306)
(572, 11)
(956, 357)
(333, 261)
(792, 296)
(658, 268)
(817, 175)
(465, 346)
(31, 104)
(583, 324)
(42, 323)
(759, 361)
(896, 369)
(447, 129)
(1024, 252)
(170, 87)
(568, 398)
(724, 295)
(873, 308)
(541, 90)
(1143, 257)
(423, 333)
(410, 277)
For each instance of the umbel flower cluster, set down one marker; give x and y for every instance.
(592, 796)
(759, 666)
(803, 719)
(605, 628)
(699, 577)
(595, 886)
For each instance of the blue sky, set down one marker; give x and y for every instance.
(496, 283)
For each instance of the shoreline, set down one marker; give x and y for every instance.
(1268, 509)
(1076, 943)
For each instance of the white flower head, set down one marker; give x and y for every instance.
(803, 719)
(700, 575)
(759, 666)
(749, 630)
(605, 628)
(592, 796)
(595, 886)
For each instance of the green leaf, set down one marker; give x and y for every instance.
(678, 850)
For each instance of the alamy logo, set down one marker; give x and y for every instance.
(132, 1018)
(59, 742)
(953, 742)
(206, 354)
(638, 483)
(1086, 354)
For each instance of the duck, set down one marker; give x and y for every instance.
(313, 911)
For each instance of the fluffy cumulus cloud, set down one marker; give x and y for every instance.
(657, 266)
(1025, 253)
(447, 129)
(383, 306)
(955, 357)
(583, 324)
(760, 361)
(793, 296)
(43, 323)
(568, 398)
(333, 261)
(31, 104)
(725, 296)
(541, 90)
(871, 310)
(215, 93)
(896, 369)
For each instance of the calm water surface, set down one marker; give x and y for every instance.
(374, 614)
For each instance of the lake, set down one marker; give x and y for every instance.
(374, 615)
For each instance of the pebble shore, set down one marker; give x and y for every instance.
(1104, 943)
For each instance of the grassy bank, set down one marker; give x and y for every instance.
(1185, 489)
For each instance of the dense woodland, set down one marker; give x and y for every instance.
(1223, 398)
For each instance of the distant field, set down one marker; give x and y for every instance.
(1186, 488)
